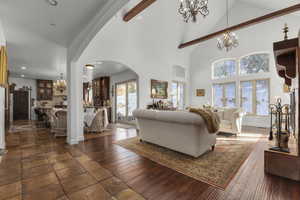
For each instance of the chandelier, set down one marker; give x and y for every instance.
(229, 39)
(60, 85)
(190, 9)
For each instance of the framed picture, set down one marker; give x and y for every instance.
(200, 92)
(159, 89)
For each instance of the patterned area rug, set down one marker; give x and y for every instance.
(215, 168)
(88, 136)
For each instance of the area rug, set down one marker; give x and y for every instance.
(88, 136)
(215, 168)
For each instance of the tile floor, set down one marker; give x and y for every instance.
(40, 167)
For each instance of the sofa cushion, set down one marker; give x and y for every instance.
(229, 113)
(226, 124)
(183, 117)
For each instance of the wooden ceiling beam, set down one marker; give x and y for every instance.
(137, 9)
(245, 24)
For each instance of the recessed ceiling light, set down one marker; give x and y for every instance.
(89, 66)
(99, 62)
(23, 68)
(52, 2)
(22, 75)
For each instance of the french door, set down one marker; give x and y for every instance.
(224, 95)
(126, 100)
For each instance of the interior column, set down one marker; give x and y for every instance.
(2, 118)
(75, 106)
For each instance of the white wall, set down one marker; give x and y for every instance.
(2, 97)
(258, 38)
(21, 82)
(148, 46)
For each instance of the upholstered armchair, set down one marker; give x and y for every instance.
(231, 119)
(99, 123)
(59, 123)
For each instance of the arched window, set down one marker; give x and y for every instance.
(224, 68)
(255, 63)
(253, 94)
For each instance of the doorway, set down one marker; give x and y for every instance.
(20, 105)
(126, 101)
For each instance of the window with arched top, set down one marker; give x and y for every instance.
(254, 63)
(253, 95)
(224, 68)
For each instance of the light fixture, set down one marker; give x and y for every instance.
(90, 66)
(52, 2)
(23, 68)
(99, 62)
(60, 85)
(22, 75)
(229, 39)
(190, 9)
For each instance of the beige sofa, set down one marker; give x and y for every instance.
(231, 119)
(181, 131)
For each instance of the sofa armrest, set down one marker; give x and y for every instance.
(237, 120)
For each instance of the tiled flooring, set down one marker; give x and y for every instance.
(40, 167)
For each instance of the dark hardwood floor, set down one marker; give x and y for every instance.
(101, 164)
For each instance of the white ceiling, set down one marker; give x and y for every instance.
(109, 68)
(272, 4)
(31, 39)
(41, 47)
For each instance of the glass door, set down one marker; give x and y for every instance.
(126, 100)
(230, 95)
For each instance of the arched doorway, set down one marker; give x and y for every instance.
(123, 89)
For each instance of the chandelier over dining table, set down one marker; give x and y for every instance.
(60, 85)
(189, 9)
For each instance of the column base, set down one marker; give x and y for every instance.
(73, 141)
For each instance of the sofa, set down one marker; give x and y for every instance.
(180, 131)
(231, 119)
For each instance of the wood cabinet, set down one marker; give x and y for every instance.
(101, 91)
(44, 90)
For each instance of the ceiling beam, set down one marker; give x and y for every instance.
(137, 9)
(245, 24)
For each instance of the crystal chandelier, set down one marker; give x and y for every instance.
(190, 8)
(229, 39)
(60, 85)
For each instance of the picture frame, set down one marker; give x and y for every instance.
(159, 89)
(200, 92)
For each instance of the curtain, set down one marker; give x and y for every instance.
(3, 67)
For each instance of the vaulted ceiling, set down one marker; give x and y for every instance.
(38, 34)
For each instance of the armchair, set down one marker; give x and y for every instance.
(231, 119)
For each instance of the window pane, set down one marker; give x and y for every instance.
(255, 63)
(224, 69)
(121, 101)
(180, 95)
(246, 96)
(218, 95)
(230, 95)
(262, 97)
(132, 97)
(174, 94)
(177, 96)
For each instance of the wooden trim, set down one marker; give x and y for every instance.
(245, 24)
(137, 9)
